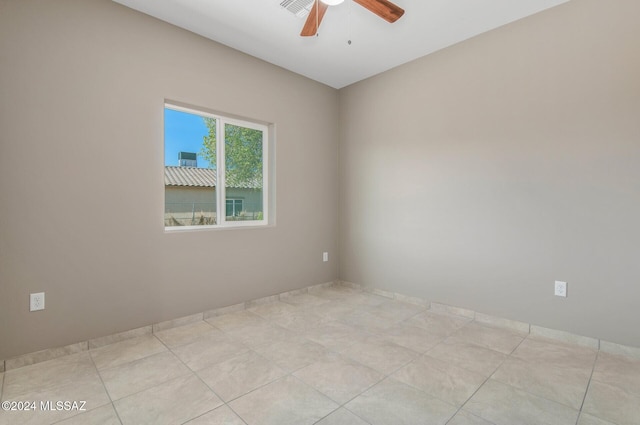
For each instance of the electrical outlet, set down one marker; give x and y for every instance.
(325, 256)
(36, 301)
(561, 289)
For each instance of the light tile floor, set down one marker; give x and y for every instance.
(337, 356)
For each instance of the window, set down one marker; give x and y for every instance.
(215, 171)
(234, 207)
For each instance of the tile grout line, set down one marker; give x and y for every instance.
(95, 408)
(291, 373)
(487, 380)
(469, 320)
(579, 410)
(335, 352)
(225, 403)
(584, 398)
(526, 391)
(236, 413)
(344, 405)
(452, 334)
(542, 397)
(385, 376)
(113, 406)
(194, 374)
(355, 414)
(322, 394)
(133, 361)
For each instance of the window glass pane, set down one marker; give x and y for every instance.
(229, 207)
(189, 169)
(243, 172)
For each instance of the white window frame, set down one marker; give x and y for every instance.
(221, 216)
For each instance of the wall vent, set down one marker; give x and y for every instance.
(300, 8)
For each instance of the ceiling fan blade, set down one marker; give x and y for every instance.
(313, 20)
(383, 8)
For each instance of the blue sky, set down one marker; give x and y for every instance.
(183, 132)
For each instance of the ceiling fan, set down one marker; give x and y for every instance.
(383, 8)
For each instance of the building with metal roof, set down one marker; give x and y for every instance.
(190, 195)
(189, 176)
(202, 177)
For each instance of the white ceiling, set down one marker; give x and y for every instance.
(264, 29)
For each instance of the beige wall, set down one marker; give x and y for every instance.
(83, 82)
(479, 175)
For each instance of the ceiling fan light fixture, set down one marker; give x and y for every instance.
(383, 8)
